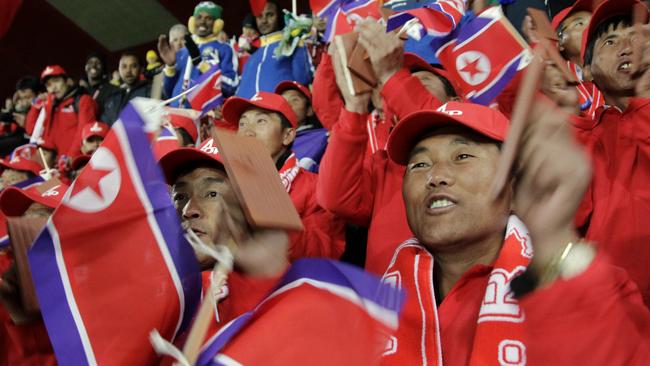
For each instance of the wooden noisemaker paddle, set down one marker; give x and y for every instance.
(520, 112)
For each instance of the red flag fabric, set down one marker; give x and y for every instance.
(257, 6)
(112, 249)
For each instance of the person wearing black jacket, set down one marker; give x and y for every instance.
(132, 86)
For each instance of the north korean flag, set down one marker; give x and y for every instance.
(112, 263)
(323, 8)
(206, 95)
(343, 19)
(471, 56)
(321, 313)
(437, 18)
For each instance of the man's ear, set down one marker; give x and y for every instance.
(288, 136)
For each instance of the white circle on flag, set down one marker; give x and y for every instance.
(473, 66)
(87, 199)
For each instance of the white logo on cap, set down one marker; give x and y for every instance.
(256, 97)
(48, 70)
(209, 148)
(51, 192)
(95, 128)
(451, 112)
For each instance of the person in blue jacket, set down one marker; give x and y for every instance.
(180, 73)
(264, 70)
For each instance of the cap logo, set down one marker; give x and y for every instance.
(48, 70)
(95, 128)
(51, 192)
(451, 112)
(256, 97)
(209, 148)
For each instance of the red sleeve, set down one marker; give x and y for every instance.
(324, 234)
(344, 181)
(326, 99)
(27, 344)
(596, 316)
(87, 114)
(244, 293)
(506, 99)
(30, 120)
(403, 94)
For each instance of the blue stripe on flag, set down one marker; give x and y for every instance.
(366, 286)
(61, 325)
(167, 219)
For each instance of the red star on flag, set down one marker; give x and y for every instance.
(471, 67)
(90, 179)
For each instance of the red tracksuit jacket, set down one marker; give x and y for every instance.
(324, 234)
(617, 205)
(368, 192)
(62, 129)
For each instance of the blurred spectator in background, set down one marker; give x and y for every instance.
(96, 80)
(92, 136)
(177, 36)
(264, 70)
(132, 86)
(184, 67)
(55, 120)
(12, 118)
(248, 42)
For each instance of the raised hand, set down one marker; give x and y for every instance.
(353, 103)
(552, 175)
(166, 51)
(386, 50)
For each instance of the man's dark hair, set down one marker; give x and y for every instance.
(185, 136)
(624, 20)
(131, 54)
(449, 89)
(29, 82)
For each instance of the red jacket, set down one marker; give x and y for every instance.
(324, 234)
(326, 99)
(596, 318)
(63, 125)
(617, 205)
(368, 191)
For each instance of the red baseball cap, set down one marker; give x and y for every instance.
(408, 132)
(235, 107)
(185, 119)
(52, 70)
(96, 128)
(606, 10)
(174, 161)
(293, 85)
(15, 201)
(580, 5)
(415, 63)
(23, 158)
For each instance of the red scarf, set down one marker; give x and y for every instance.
(499, 334)
(289, 171)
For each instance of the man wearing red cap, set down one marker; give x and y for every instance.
(92, 136)
(570, 24)
(57, 121)
(22, 164)
(269, 118)
(205, 201)
(617, 205)
(476, 295)
(28, 342)
(311, 138)
(366, 190)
